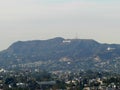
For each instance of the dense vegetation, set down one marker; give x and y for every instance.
(42, 80)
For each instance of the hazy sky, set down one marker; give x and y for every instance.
(43, 19)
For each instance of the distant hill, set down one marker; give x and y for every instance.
(62, 54)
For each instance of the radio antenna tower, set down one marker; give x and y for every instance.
(76, 37)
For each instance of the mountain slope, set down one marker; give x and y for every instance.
(60, 54)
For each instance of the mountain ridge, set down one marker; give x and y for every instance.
(59, 53)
